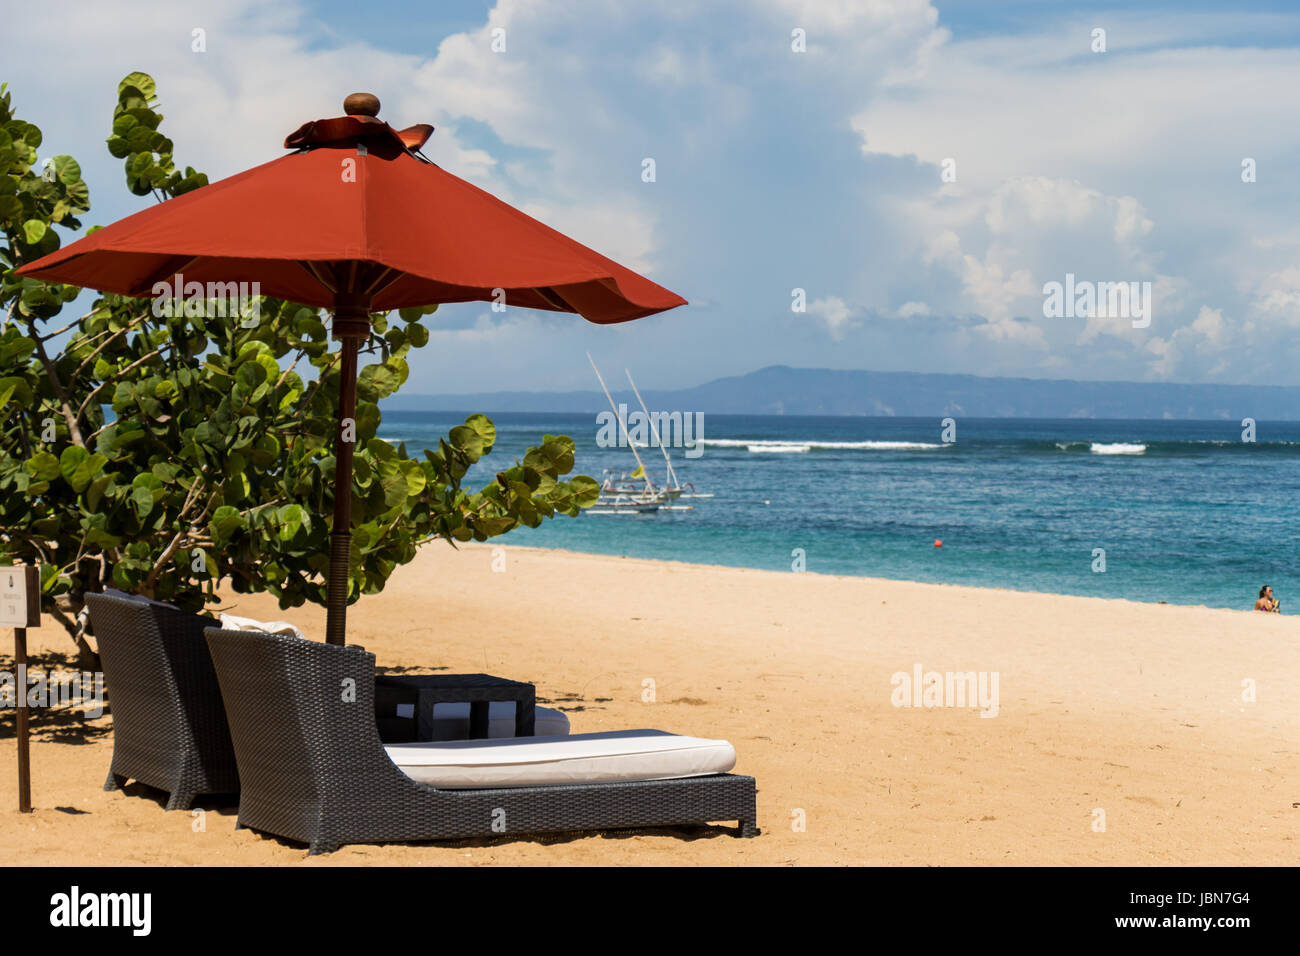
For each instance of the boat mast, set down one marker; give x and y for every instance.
(622, 425)
(672, 475)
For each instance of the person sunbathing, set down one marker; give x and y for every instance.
(1267, 602)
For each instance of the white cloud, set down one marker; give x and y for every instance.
(1194, 346)
(1104, 165)
(1277, 297)
(1037, 103)
(994, 289)
(833, 313)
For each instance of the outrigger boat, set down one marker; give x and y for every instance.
(637, 493)
(616, 499)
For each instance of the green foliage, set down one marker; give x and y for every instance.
(31, 201)
(146, 151)
(216, 461)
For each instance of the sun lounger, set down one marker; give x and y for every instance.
(314, 770)
(169, 725)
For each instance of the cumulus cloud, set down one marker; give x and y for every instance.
(1097, 164)
(1277, 296)
(1198, 344)
(833, 313)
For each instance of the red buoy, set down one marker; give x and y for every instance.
(938, 543)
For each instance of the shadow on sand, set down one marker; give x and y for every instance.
(61, 724)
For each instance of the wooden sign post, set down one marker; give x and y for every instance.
(20, 608)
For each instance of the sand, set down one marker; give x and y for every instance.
(1122, 734)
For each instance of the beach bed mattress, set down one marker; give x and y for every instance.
(612, 756)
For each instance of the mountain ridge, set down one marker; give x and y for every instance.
(784, 390)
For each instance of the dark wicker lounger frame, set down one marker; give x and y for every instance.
(313, 768)
(169, 725)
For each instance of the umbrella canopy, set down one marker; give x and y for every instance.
(355, 221)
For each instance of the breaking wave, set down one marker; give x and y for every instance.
(795, 445)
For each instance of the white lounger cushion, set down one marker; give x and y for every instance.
(451, 721)
(581, 758)
(232, 622)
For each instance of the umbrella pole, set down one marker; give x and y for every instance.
(341, 536)
(351, 325)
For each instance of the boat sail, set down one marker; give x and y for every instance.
(637, 493)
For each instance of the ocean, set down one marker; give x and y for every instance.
(1174, 511)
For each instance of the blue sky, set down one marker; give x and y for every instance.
(779, 170)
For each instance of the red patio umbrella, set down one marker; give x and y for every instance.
(355, 221)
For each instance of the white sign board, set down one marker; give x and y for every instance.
(20, 597)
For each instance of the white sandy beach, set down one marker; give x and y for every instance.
(1134, 711)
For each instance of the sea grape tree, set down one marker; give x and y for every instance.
(167, 454)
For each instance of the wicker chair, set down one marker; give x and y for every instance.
(169, 726)
(313, 768)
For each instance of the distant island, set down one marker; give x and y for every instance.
(781, 390)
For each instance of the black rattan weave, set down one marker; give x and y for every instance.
(169, 725)
(313, 769)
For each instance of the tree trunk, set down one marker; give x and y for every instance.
(71, 618)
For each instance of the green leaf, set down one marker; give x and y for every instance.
(483, 427)
(95, 493)
(265, 451)
(79, 466)
(238, 487)
(14, 389)
(494, 526)
(585, 490)
(137, 82)
(43, 466)
(292, 519)
(392, 480)
(417, 335)
(415, 477)
(66, 169)
(225, 522)
(142, 499)
(99, 538)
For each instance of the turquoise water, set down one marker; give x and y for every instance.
(1185, 511)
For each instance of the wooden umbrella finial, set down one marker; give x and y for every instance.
(361, 104)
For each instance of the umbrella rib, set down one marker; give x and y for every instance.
(174, 265)
(372, 280)
(325, 278)
(382, 281)
(554, 298)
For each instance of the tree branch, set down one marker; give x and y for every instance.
(117, 376)
(47, 337)
(292, 365)
(108, 341)
(315, 386)
(180, 536)
(73, 430)
(73, 627)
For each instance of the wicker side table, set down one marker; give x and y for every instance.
(422, 691)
